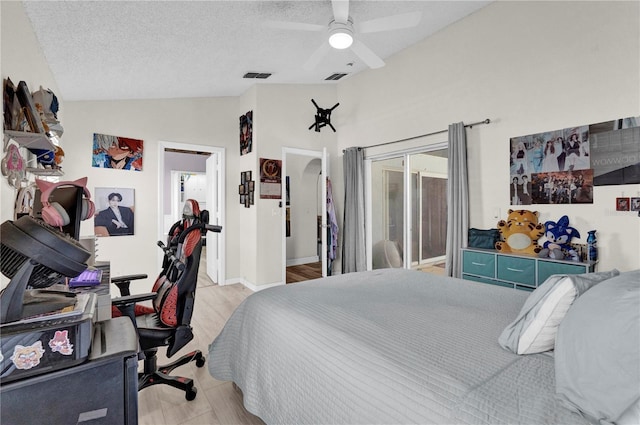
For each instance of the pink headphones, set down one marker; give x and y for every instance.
(53, 213)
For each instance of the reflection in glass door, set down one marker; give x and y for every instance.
(428, 209)
(387, 204)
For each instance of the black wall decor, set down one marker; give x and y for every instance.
(246, 189)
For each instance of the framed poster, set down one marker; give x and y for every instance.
(115, 208)
(119, 153)
(270, 178)
(622, 204)
(246, 133)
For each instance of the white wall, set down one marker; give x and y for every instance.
(282, 117)
(529, 67)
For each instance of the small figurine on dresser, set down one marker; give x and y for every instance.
(559, 235)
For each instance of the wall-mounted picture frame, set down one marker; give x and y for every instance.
(246, 189)
(246, 133)
(622, 204)
(116, 152)
(115, 208)
(635, 204)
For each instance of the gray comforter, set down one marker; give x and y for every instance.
(387, 346)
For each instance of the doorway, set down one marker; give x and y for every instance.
(214, 161)
(304, 221)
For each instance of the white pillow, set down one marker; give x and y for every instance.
(535, 328)
(540, 334)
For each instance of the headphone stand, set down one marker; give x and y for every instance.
(70, 198)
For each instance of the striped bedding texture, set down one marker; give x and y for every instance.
(386, 346)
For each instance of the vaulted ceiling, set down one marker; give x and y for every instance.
(100, 50)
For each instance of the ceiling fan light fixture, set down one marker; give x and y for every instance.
(340, 36)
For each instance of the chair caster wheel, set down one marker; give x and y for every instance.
(200, 361)
(191, 394)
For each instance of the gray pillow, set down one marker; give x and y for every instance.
(534, 329)
(597, 357)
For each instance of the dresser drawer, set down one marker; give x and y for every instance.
(479, 264)
(548, 268)
(518, 270)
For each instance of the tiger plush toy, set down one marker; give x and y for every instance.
(520, 233)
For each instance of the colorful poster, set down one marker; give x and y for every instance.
(120, 153)
(270, 178)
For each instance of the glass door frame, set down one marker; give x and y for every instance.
(406, 156)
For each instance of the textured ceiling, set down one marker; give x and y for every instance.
(100, 50)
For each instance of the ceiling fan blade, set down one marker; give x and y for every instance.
(295, 26)
(316, 57)
(371, 59)
(388, 23)
(340, 10)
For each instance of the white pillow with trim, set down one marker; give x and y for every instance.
(535, 328)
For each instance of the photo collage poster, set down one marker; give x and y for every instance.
(563, 166)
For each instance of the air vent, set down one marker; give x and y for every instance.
(260, 75)
(335, 77)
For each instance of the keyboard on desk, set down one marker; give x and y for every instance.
(89, 277)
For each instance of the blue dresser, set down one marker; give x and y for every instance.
(515, 271)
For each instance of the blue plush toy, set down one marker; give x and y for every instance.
(558, 237)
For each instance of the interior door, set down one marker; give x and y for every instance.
(213, 257)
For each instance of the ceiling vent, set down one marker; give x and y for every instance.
(260, 75)
(335, 77)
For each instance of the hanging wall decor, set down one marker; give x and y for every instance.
(115, 208)
(120, 153)
(270, 178)
(246, 133)
(246, 189)
(563, 166)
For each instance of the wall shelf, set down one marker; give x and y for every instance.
(30, 140)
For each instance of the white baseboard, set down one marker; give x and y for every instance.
(304, 260)
(250, 285)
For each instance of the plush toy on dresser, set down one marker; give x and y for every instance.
(559, 236)
(520, 233)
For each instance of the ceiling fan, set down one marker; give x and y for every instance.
(342, 33)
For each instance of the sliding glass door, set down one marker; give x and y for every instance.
(408, 208)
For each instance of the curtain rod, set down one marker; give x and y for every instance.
(487, 121)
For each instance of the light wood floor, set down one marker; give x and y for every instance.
(217, 402)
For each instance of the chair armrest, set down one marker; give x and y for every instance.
(122, 282)
(127, 304)
(132, 299)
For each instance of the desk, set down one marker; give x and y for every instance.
(102, 390)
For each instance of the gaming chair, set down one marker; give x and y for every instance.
(168, 322)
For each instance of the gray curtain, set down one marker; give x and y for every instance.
(353, 242)
(457, 199)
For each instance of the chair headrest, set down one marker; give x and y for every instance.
(191, 209)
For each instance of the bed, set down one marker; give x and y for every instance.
(387, 346)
